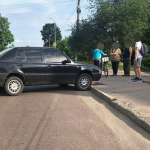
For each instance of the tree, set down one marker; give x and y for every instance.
(111, 20)
(6, 37)
(64, 47)
(48, 34)
(120, 19)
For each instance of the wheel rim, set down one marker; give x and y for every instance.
(14, 86)
(84, 82)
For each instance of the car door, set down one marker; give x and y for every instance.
(30, 62)
(58, 72)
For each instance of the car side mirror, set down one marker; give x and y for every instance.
(66, 61)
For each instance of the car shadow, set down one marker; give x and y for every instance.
(47, 88)
(2, 92)
(42, 88)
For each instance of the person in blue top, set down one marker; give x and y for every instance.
(97, 56)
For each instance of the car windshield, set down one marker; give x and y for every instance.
(2, 53)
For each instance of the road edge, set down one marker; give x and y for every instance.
(127, 111)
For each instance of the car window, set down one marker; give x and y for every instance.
(53, 56)
(20, 55)
(29, 55)
(33, 55)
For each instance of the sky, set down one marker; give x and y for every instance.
(27, 18)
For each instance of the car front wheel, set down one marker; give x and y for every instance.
(83, 82)
(13, 86)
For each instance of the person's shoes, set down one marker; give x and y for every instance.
(138, 80)
(135, 78)
(115, 74)
(127, 75)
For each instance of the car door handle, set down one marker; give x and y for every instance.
(19, 64)
(49, 66)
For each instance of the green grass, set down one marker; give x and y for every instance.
(120, 66)
(114, 99)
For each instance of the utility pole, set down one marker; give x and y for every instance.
(49, 40)
(78, 16)
(55, 34)
(78, 13)
(55, 30)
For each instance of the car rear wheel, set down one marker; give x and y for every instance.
(83, 82)
(13, 86)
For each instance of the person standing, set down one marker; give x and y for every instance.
(127, 58)
(138, 59)
(115, 55)
(97, 56)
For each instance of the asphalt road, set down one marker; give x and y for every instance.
(56, 118)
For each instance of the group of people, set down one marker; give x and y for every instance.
(116, 54)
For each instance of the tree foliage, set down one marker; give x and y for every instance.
(111, 20)
(48, 31)
(6, 37)
(64, 46)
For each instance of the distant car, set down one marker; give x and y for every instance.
(28, 66)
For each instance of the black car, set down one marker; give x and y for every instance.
(21, 66)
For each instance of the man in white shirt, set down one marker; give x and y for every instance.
(137, 60)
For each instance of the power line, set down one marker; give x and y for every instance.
(35, 11)
(66, 9)
(13, 6)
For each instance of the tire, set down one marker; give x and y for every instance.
(106, 72)
(63, 84)
(83, 82)
(13, 86)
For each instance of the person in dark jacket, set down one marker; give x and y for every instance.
(127, 58)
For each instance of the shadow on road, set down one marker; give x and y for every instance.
(47, 88)
(42, 88)
(2, 92)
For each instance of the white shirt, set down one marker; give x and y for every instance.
(138, 44)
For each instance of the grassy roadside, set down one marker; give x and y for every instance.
(143, 69)
(120, 66)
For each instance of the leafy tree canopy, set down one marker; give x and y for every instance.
(64, 46)
(6, 37)
(48, 33)
(117, 20)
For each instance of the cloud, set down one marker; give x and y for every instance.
(17, 40)
(22, 2)
(20, 11)
(28, 17)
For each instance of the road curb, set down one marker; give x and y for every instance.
(127, 111)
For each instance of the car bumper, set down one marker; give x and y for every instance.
(96, 76)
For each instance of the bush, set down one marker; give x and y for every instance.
(2, 47)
